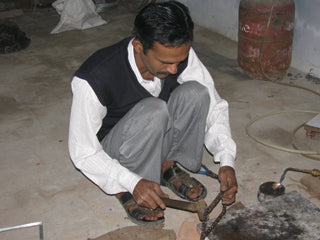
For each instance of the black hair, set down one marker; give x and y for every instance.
(168, 23)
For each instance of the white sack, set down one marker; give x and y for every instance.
(76, 14)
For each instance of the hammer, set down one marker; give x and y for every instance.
(196, 207)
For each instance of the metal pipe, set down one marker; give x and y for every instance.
(26, 226)
(314, 172)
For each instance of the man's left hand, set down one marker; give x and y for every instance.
(228, 184)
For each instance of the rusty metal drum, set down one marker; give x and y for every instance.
(265, 37)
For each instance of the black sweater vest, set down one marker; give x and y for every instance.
(109, 73)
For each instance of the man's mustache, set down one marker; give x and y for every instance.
(163, 73)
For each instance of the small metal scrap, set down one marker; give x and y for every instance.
(26, 226)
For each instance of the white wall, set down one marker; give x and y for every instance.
(306, 45)
(219, 15)
(222, 17)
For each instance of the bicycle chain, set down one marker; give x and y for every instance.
(204, 230)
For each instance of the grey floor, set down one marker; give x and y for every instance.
(38, 181)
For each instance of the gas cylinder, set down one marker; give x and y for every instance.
(265, 37)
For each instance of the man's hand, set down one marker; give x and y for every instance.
(228, 184)
(148, 194)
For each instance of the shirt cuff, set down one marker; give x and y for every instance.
(227, 160)
(129, 180)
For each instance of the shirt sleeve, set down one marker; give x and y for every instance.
(85, 150)
(218, 139)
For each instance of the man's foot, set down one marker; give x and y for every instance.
(181, 183)
(138, 214)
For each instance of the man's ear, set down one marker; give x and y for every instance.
(137, 45)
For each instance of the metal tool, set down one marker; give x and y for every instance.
(208, 172)
(314, 172)
(196, 207)
(269, 190)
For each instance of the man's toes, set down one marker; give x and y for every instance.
(196, 192)
(199, 189)
(150, 218)
(153, 216)
(193, 193)
(159, 213)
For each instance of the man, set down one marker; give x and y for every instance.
(145, 104)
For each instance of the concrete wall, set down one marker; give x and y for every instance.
(222, 17)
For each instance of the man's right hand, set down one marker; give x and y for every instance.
(149, 194)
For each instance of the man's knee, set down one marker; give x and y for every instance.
(195, 92)
(156, 109)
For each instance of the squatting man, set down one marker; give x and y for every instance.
(145, 104)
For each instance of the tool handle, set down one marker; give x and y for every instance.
(181, 205)
(208, 172)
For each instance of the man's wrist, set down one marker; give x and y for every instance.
(227, 160)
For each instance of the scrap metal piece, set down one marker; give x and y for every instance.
(26, 226)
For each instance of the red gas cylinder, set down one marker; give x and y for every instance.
(265, 37)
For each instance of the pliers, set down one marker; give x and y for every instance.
(208, 172)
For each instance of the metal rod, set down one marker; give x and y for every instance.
(26, 226)
(314, 172)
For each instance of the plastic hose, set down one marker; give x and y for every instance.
(303, 152)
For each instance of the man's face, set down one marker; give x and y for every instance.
(161, 60)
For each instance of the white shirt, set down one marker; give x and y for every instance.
(87, 114)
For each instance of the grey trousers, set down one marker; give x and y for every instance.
(154, 131)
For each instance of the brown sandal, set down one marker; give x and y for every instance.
(173, 175)
(136, 215)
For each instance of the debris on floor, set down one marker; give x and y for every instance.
(188, 231)
(313, 76)
(138, 233)
(12, 39)
(313, 126)
(287, 217)
(311, 186)
(236, 206)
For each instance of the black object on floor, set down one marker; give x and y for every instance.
(12, 39)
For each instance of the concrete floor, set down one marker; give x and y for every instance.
(38, 181)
